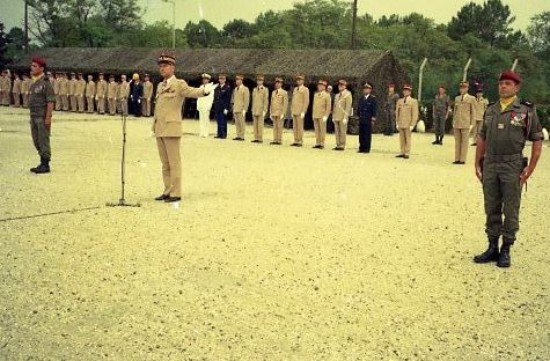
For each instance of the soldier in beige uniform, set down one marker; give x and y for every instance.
(25, 86)
(80, 93)
(241, 101)
(167, 125)
(101, 94)
(341, 113)
(299, 106)
(464, 119)
(16, 90)
(5, 88)
(123, 91)
(55, 85)
(406, 114)
(112, 90)
(147, 95)
(73, 104)
(64, 92)
(322, 104)
(481, 105)
(90, 93)
(277, 111)
(260, 104)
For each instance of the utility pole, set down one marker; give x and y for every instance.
(515, 64)
(466, 67)
(26, 27)
(354, 24)
(420, 79)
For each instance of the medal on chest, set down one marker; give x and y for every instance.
(518, 119)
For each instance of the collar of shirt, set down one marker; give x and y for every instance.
(35, 78)
(367, 96)
(506, 102)
(170, 79)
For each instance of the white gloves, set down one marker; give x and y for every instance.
(244, 113)
(225, 112)
(345, 121)
(325, 119)
(302, 115)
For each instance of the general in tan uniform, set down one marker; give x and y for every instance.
(73, 102)
(340, 114)
(147, 95)
(260, 104)
(406, 114)
(123, 91)
(481, 105)
(90, 93)
(241, 101)
(16, 90)
(101, 94)
(464, 119)
(25, 88)
(299, 106)
(112, 91)
(167, 125)
(277, 110)
(322, 105)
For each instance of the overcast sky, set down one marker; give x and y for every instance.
(220, 12)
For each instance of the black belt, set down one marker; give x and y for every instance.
(503, 157)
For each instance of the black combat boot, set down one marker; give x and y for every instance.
(491, 254)
(436, 141)
(441, 140)
(44, 166)
(504, 259)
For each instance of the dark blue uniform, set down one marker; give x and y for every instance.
(136, 94)
(366, 111)
(222, 102)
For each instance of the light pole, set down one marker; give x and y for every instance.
(26, 27)
(173, 2)
(353, 24)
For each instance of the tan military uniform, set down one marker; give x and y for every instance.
(5, 89)
(300, 104)
(340, 116)
(241, 101)
(406, 114)
(123, 90)
(101, 95)
(55, 85)
(16, 92)
(168, 129)
(260, 103)
(464, 116)
(480, 105)
(322, 104)
(64, 93)
(277, 111)
(25, 86)
(81, 95)
(73, 101)
(147, 95)
(112, 90)
(90, 95)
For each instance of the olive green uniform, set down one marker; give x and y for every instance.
(440, 108)
(505, 132)
(41, 93)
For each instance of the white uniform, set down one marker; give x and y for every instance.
(204, 105)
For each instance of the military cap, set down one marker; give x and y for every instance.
(146, 75)
(112, 76)
(479, 89)
(510, 75)
(167, 58)
(39, 61)
(464, 84)
(100, 73)
(239, 77)
(260, 77)
(80, 74)
(367, 85)
(342, 82)
(391, 85)
(278, 80)
(222, 75)
(322, 82)
(206, 76)
(407, 86)
(73, 73)
(299, 77)
(443, 86)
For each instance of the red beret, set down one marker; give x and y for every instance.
(510, 75)
(38, 60)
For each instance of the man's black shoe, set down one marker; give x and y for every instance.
(405, 157)
(162, 197)
(400, 156)
(172, 199)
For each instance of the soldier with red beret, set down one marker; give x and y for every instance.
(501, 166)
(41, 103)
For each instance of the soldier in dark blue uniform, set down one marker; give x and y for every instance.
(222, 104)
(367, 115)
(501, 166)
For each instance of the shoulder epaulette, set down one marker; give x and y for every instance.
(527, 103)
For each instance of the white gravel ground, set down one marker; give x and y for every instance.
(275, 253)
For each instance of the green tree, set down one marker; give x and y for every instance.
(202, 35)
(3, 46)
(539, 34)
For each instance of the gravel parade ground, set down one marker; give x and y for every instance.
(274, 253)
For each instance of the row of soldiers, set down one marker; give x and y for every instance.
(73, 93)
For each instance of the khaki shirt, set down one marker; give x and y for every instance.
(80, 87)
(16, 86)
(4, 83)
(112, 90)
(406, 112)
(90, 89)
(481, 106)
(260, 101)
(321, 105)
(122, 90)
(63, 86)
(169, 101)
(55, 85)
(101, 89)
(342, 105)
(464, 114)
(279, 103)
(147, 90)
(241, 99)
(72, 86)
(300, 100)
(506, 131)
(25, 85)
